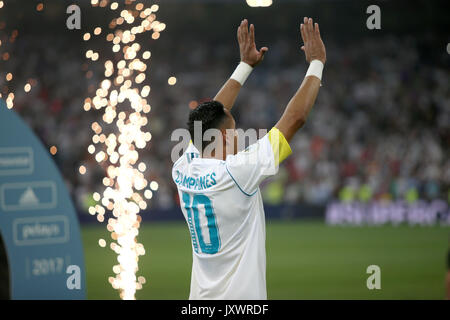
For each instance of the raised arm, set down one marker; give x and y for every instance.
(297, 110)
(250, 57)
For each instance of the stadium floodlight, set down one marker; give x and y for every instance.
(259, 3)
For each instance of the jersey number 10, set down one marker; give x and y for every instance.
(192, 208)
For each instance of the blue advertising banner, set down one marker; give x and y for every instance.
(38, 223)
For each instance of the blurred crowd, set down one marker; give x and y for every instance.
(380, 128)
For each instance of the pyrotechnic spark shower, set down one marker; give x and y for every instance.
(120, 133)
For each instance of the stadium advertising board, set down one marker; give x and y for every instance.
(38, 224)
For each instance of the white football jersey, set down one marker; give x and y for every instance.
(223, 208)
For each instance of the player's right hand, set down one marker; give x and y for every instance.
(312, 42)
(247, 46)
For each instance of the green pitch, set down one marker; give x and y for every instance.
(305, 260)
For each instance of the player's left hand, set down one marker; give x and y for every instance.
(247, 46)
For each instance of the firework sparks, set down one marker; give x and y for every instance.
(115, 142)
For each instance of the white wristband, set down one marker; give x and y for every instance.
(242, 72)
(315, 69)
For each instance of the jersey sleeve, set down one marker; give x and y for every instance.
(248, 168)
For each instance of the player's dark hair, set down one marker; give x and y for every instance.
(211, 114)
